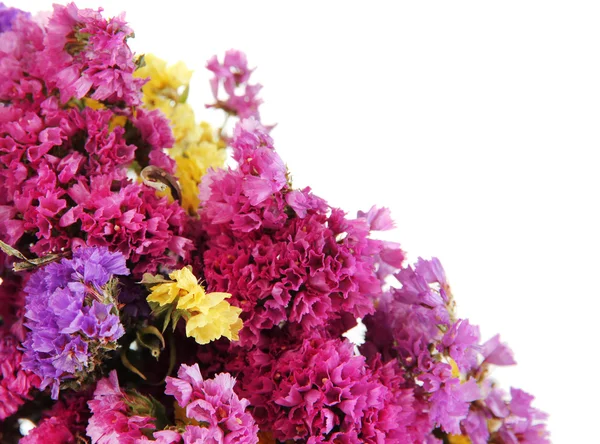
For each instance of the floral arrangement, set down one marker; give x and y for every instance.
(151, 294)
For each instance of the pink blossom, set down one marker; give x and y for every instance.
(111, 420)
(16, 384)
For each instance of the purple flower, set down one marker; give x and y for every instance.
(461, 343)
(450, 404)
(520, 422)
(415, 287)
(72, 315)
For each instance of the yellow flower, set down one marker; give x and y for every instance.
(165, 85)
(164, 293)
(219, 320)
(192, 165)
(185, 283)
(196, 149)
(209, 315)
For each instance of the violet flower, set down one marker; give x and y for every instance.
(72, 316)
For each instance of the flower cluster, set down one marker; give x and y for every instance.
(72, 316)
(321, 391)
(416, 325)
(207, 411)
(214, 404)
(70, 134)
(283, 254)
(129, 254)
(117, 416)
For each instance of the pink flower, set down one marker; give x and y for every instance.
(15, 383)
(283, 254)
(320, 391)
(497, 353)
(112, 419)
(233, 75)
(212, 402)
(85, 52)
(65, 422)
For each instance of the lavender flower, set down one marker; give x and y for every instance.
(71, 312)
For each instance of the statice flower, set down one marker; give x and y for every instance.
(214, 404)
(117, 416)
(416, 325)
(233, 76)
(143, 226)
(72, 316)
(283, 254)
(322, 392)
(53, 153)
(64, 423)
(90, 53)
(16, 383)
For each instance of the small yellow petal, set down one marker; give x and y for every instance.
(185, 279)
(192, 299)
(163, 293)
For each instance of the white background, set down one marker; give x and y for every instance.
(476, 122)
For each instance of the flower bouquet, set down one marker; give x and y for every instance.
(149, 293)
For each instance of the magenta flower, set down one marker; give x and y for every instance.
(65, 422)
(86, 52)
(283, 254)
(214, 403)
(113, 420)
(233, 75)
(321, 391)
(16, 383)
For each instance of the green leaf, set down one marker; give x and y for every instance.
(184, 95)
(27, 263)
